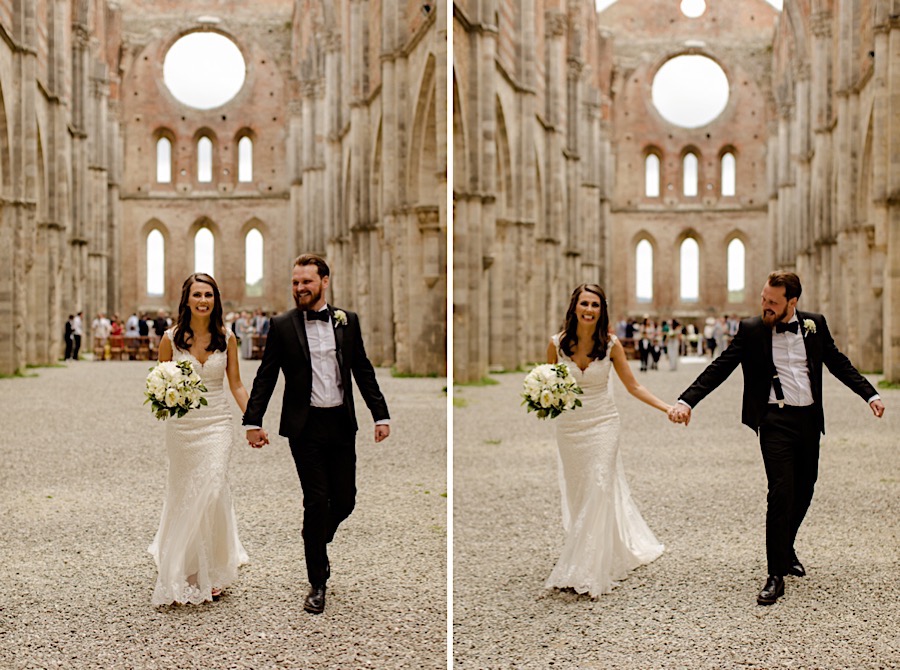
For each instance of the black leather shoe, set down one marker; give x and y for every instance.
(796, 568)
(315, 600)
(772, 591)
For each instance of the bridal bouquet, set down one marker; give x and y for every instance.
(174, 389)
(549, 390)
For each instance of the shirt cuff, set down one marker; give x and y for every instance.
(874, 397)
(249, 427)
(383, 422)
(682, 402)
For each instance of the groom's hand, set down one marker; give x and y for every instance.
(257, 438)
(877, 408)
(382, 432)
(680, 413)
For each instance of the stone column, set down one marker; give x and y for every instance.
(888, 50)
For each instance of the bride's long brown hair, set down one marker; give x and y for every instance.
(216, 322)
(570, 325)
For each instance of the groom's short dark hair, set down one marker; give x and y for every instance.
(312, 259)
(789, 280)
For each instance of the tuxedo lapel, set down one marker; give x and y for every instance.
(813, 358)
(338, 338)
(300, 327)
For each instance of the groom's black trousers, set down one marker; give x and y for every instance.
(325, 457)
(789, 440)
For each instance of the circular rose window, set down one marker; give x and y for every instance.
(690, 91)
(204, 70)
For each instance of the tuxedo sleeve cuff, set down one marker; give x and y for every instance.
(251, 427)
(682, 402)
(383, 422)
(874, 397)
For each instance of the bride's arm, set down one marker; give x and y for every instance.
(551, 353)
(165, 349)
(233, 371)
(620, 362)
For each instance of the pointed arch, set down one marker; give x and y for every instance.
(652, 172)
(460, 156)
(736, 267)
(690, 172)
(203, 235)
(423, 168)
(244, 139)
(155, 240)
(504, 164)
(689, 268)
(643, 268)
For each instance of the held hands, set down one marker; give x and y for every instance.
(382, 432)
(680, 413)
(877, 408)
(257, 438)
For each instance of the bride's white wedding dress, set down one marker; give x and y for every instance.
(197, 548)
(606, 537)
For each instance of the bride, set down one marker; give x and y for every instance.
(196, 549)
(606, 536)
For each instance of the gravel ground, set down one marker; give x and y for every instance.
(702, 490)
(81, 488)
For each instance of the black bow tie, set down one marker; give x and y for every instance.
(781, 326)
(319, 316)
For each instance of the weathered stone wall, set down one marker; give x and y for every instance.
(836, 173)
(737, 37)
(58, 172)
(529, 188)
(552, 121)
(344, 104)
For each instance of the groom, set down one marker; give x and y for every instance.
(781, 354)
(317, 347)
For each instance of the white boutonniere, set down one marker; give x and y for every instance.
(340, 317)
(809, 326)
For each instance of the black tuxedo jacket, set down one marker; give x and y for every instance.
(752, 349)
(287, 350)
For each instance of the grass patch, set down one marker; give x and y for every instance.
(35, 366)
(409, 375)
(888, 384)
(484, 381)
(18, 374)
(460, 402)
(493, 441)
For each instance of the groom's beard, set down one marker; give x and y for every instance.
(770, 318)
(305, 301)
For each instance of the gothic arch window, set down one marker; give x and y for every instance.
(729, 176)
(164, 160)
(156, 263)
(204, 159)
(253, 264)
(736, 270)
(245, 159)
(204, 251)
(651, 176)
(644, 271)
(690, 174)
(690, 270)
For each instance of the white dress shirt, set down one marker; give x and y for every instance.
(327, 390)
(789, 356)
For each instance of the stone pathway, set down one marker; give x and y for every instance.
(81, 488)
(702, 490)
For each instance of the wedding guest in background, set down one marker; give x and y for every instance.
(77, 332)
(68, 338)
